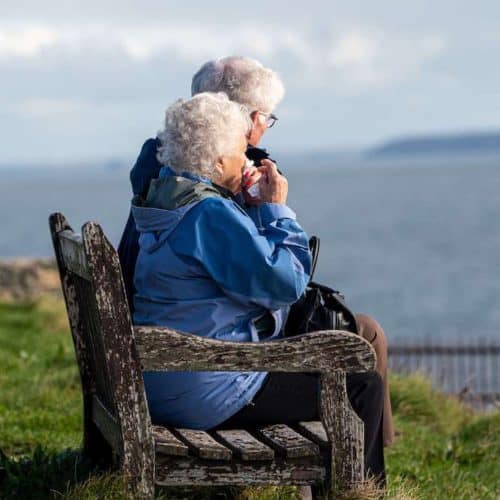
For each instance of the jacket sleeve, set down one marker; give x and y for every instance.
(270, 267)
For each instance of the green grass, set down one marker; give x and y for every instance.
(442, 451)
(39, 384)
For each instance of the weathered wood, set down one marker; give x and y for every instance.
(115, 405)
(185, 471)
(167, 444)
(287, 442)
(203, 445)
(166, 349)
(315, 432)
(73, 254)
(137, 457)
(345, 431)
(244, 445)
(107, 424)
(94, 445)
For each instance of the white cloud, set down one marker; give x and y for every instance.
(189, 42)
(356, 59)
(366, 59)
(25, 41)
(354, 48)
(195, 43)
(102, 72)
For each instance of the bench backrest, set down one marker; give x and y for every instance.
(113, 389)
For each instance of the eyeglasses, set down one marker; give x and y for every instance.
(271, 118)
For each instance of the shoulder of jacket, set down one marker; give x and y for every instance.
(219, 203)
(151, 144)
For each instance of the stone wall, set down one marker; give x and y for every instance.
(27, 279)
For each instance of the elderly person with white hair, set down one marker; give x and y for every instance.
(246, 82)
(206, 267)
(260, 89)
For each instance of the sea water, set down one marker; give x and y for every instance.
(415, 243)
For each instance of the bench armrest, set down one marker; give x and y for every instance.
(162, 348)
(330, 352)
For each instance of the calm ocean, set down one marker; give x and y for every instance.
(414, 243)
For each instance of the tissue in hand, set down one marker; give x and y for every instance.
(254, 189)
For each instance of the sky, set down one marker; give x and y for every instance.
(90, 80)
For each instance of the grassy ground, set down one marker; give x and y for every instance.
(443, 450)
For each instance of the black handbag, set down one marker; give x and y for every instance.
(320, 307)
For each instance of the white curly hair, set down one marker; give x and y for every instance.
(199, 131)
(243, 79)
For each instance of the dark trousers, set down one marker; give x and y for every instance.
(286, 398)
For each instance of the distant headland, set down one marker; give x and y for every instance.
(474, 143)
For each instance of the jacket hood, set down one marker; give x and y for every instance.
(168, 200)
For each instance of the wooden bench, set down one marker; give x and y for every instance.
(111, 354)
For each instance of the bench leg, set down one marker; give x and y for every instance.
(345, 431)
(140, 479)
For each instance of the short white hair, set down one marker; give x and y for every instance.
(199, 131)
(243, 79)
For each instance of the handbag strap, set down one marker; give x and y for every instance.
(314, 248)
(324, 288)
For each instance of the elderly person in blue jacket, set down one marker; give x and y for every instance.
(204, 265)
(208, 267)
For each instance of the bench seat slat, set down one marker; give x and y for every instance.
(314, 431)
(185, 471)
(166, 443)
(287, 442)
(244, 445)
(203, 445)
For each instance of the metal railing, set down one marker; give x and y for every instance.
(467, 368)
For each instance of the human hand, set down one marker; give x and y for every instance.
(273, 186)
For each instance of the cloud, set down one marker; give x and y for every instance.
(364, 59)
(190, 41)
(25, 41)
(99, 82)
(353, 48)
(358, 56)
